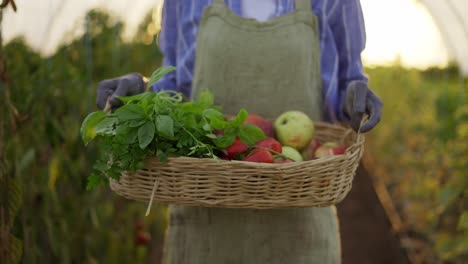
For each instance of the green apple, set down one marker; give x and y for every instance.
(292, 153)
(294, 129)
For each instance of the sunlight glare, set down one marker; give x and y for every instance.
(401, 31)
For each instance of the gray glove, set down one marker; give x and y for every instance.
(361, 100)
(126, 85)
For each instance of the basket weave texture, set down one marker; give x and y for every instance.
(239, 184)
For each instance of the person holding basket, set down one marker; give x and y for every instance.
(267, 56)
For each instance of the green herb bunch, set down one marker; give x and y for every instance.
(161, 125)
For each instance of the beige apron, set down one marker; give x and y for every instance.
(267, 68)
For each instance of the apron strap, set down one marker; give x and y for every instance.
(304, 4)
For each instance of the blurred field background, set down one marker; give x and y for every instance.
(419, 152)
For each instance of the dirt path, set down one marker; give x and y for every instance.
(366, 232)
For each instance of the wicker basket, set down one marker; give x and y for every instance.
(238, 184)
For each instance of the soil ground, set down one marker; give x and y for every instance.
(366, 233)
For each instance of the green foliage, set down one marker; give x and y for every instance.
(158, 74)
(59, 221)
(161, 125)
(89, 126)
(422, 150)
(11, 195)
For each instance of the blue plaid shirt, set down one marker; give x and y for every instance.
(342, 39)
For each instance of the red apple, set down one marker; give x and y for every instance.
(330, 148)
(264, 124)
(309, 152)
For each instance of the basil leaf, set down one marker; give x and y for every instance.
(207, 127)
(131, 137)
(211, 113)
(122, 130)
(206, 98)
(165, 125)
(130, 112)
(217, 120)
(146, 134)
(251, 134)
(158, 74)
(212, 136)
(240, 118)
(88, 127)
(127, 136)
(106, 126)
(226, 140)
(136, 123)
(137, 97)
(218, 124)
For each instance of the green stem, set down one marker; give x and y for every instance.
(201, 144)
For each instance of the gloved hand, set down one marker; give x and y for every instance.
(127, 85)
(361, 100)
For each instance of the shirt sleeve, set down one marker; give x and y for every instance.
(347, 24)
(168, 45)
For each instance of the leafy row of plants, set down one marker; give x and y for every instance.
(59, 221)
(421, 147)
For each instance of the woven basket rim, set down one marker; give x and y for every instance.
(316, 161)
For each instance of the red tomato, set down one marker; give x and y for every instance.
(270, 143)
(236, 148)
(260, 155)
